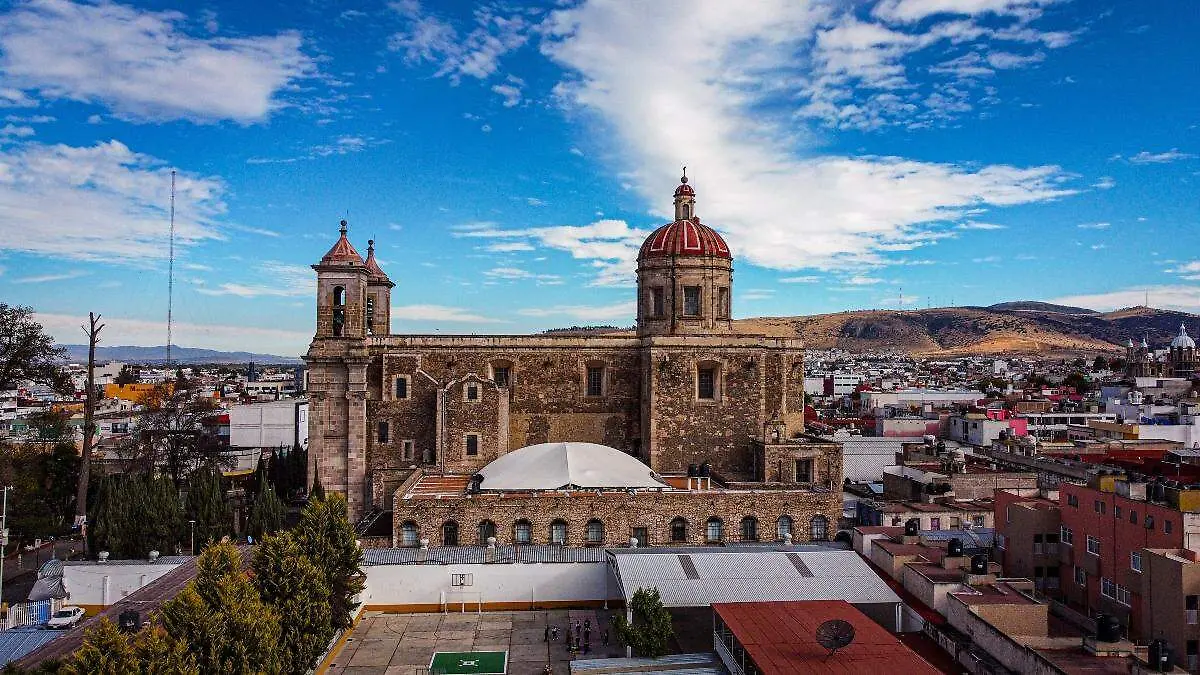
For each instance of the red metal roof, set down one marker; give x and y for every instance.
(781, 638)
(377, 273)
(343, 252)
(684, 237)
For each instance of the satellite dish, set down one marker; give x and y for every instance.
(835, 634)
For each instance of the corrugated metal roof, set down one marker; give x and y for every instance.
(724, 576)
(478, 555)
(17, 642)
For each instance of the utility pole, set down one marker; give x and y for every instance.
(89, 427)
(3, 539)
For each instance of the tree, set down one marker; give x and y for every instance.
(1100, 363)
(172, 436)
(206, 505)
(222, 619)
(1079, 382)
(160, 654)
(651, 627)
(105, 650)
(266, 513)
(128, 375)
(325, 535)
(166, 515)
(89, 424)
(291, 582)
(27, 353)
(318, 491)
(107, 532)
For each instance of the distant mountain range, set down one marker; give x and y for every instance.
(1005, 328)
(186, 355)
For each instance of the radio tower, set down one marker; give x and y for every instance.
(171, 270)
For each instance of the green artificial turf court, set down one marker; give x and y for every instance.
(469, 663)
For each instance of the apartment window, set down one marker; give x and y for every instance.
(656, 302)
(449, 533)
(1122, 595)
(977, 521)
(1116, 511)
(723, 303)
(1099, 506)
(522, 532)
(1149, 522)
(818, 528)
(1001, 541)
(783, 527)
(713, 530)
(1073, 500)
(1193, 655)
(401, 388)
(595, 532)
(1093, 545)
(1107, 588)
(472, 392)
(500, 375)
(383, 432)
(1039, 544)
(679, 530)
(595, 381)
(407, 450)
(558, 532)
(935, 523)
(804, 470)
(1133, 516)
(691, 301)
(706, 384)
(955, 523)
(642, 535)
(409, 534)
(1135, 561)
(749, 528)
(1080, 576)
(472, 444)
(1167, 526)
(486, 530)
(1191, 605)
(370, 315)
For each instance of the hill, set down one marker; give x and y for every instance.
(1034, 306)
(978, 330)
(183, 355)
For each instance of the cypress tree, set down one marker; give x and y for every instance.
(222, 619)
(266, 513)
(161, 654)
(290, 582)
(318, 492)
(105, 650)
(325, 535)
(136, 517)
(107, 518)
(206, 505)
(166, 515)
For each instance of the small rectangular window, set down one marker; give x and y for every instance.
(1167, 526)
(1135, 561)
(723, 302)
(472, 392)
(656, 302)
(401, 388)
(1093, 545)
(383, 432)
(691, 301)
(1080, 576)
(472, 444)
(595, 381)
(706, 384)
(804, 470)
(500, 376)
(407, 449)
(1116, 512)
(935, 523)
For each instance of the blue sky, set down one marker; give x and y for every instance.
(508, 158)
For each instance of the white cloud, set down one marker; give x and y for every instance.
(619, 312)
(860, 280)
(972, 225)
(610, 246)
(534, 201)
(910, 11)
(1105, 183)
(142, 64)
(46, 278)
(516, 273)
(1094, 226)
(1172, 155)
(1189, 271)
(509, 247)
(807, 279)
(1178, 297)
(14, 131)
(124, 331)
(102, 202)
(477, 54)
(439, 313)
(282, 280)
(757, 294)
(781, 205)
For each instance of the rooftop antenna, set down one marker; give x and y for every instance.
(901, 308)
(171, 271)
(834, 635)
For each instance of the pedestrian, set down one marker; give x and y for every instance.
(587, 646)
(577, 642)
(587, 634)
(554, 633)
(546, 637)
(578, 627)
(587, 624)
(604, 637)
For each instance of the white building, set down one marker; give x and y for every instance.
(273, 424)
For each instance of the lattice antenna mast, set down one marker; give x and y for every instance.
(171, 272)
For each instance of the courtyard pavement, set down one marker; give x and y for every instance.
(402, 644)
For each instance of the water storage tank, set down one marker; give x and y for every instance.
(1162, 657)
(1108, 628)
(979, 564)
(911, 527)
(954, 548)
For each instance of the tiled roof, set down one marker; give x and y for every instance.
(684, 237)
(17, 642)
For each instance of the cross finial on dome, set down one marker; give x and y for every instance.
(683, 179)
(343, 226)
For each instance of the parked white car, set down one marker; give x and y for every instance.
(65, 618)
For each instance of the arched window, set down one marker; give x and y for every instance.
(749, 528)
(409, 534)
(713, 529)
(370, 315)
(595, 531)
(679, 528)
(339, 310)
(449, 533)
(522, 532)
(558, 531)
(486, 529)
(383, 432)
(783, 527)
(818, 528)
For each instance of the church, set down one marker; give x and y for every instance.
(681, 431)
(1178, 361)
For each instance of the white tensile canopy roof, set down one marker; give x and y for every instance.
(554, 466)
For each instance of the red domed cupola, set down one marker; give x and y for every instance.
(686, 235)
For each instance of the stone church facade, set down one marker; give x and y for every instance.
(682, 390)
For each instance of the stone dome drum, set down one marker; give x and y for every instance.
(561, 466)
